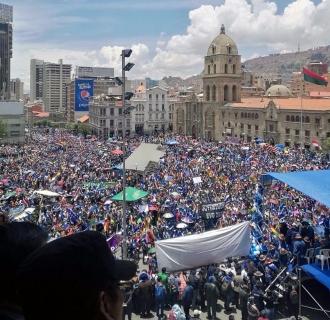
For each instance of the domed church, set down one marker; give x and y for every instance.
(221, 81)
(221, 114)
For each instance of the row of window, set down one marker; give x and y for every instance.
(157, 107)
(211, 93)
(162, 116)
(156, 96)
(248, 115)
(305, 119)
(225, 69)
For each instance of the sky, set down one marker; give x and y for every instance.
(168, 37)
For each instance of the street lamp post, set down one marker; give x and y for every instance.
(124, 54)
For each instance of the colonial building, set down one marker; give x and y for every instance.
(277, 117)
(152, 110)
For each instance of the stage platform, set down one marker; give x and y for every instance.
(315, 271)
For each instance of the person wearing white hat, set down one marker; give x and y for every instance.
(196, 314)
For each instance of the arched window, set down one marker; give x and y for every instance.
(234, 93)
(234, 68)
(287, 118)
(297, 119)
(213, 49)
(226, 68)
(208, 69)
(256, 116)
(252, 115)
(215, 68)
(249, 115)
(225, 93)
(214, 93)
(242, 115)
(245, 115)
(307, 119)
(207, 93)
(229, 49)
(292, 118)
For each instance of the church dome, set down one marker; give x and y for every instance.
(278, 90)
(222, 44)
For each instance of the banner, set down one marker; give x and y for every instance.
(189, 252)
(197, 180)
(84, 91)
(211, 210)
(114, 241)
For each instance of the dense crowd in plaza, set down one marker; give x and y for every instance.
(86, 174)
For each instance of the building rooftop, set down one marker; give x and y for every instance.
(11, 108)
(284, 103)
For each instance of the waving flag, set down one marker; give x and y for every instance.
(313, 77)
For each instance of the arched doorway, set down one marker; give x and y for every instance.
(194, 132)
(234, 93)
(225, 93)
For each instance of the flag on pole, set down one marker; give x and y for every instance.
(315, 143)
(313, 77)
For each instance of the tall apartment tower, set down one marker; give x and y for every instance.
(16, 90)
(6, 45)
(36, 79)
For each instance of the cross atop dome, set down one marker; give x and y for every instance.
(222, 29)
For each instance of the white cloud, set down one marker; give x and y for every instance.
(255, 25)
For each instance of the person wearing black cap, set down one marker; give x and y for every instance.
(17, 241)
(74, 277)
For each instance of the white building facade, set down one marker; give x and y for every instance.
(12, 117)
(152, 111)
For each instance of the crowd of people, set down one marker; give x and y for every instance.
(85, 173)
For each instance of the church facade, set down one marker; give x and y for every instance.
(278, 117)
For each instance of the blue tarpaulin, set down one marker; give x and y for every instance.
(322, 276)
(314, 184)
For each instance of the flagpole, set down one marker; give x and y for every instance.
(301, 110)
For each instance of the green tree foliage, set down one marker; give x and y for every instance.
(3, 129)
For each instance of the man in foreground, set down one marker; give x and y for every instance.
(74, 277)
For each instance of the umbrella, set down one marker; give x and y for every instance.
(168, 215)
(108, 201)
(152, 250)
(181, 225)
(132, 194)
(117, 152)
(187, 220)
(175, 194)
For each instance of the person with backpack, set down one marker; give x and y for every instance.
(187, 298)
(212, 295)
(160, 298)
(173, 292)
(227, 290)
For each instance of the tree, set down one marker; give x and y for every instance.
(83, 128)
(3, 129)
(326, 145)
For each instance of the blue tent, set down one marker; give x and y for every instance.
(314, 184)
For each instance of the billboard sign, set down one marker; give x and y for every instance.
(84, 91)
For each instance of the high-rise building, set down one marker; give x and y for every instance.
(48, 83)
(6, 45)
(16, 90)
(36, 79)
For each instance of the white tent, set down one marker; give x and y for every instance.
(202, 249)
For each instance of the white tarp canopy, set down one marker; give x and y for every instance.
(202, 249)
(47, 193)
(143, 155)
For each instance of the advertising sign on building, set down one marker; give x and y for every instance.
(83, 94)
